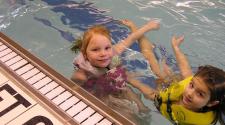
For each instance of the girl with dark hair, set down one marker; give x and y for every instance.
(198, 99)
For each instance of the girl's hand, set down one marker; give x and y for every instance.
(130, 24)
(154, 25)
(176, 41)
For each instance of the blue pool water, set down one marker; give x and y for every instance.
(47, 28)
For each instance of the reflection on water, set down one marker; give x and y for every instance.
(11, 9)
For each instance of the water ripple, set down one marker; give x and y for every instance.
(17, 10)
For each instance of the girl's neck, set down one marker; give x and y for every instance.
(102, 68)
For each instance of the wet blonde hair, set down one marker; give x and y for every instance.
(81, 43)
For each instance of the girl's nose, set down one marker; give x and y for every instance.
(190, 93)
(103, 53)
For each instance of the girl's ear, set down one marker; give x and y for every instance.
(213, 103)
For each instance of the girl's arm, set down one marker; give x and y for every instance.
(147, 51)
(146, 47)
(145, 89)
(182, 61)
(79, 76)
(126, 43)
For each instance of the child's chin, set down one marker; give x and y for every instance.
(104, 65)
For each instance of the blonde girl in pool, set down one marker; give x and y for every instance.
(98, 68)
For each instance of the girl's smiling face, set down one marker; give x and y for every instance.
(196, 95)
(99, 51)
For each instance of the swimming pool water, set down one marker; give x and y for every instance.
(47, 28)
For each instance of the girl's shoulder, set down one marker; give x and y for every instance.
(77, 60)
(80, 63)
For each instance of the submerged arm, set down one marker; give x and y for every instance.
(146, 47)
(147, 51)
(79, 77)
(145, 89)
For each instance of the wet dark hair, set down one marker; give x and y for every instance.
(215, 80)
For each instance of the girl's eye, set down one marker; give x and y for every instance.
(95, 49)
(107, 48)
(191, 85)
(200, 94)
